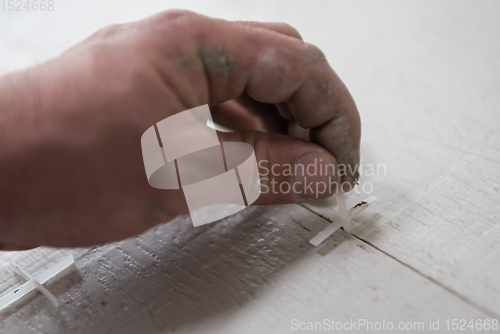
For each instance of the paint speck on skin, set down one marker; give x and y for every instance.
(219, 63)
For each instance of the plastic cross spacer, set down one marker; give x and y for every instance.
(35, 282)
(346, 217)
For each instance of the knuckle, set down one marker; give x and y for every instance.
(174, 14)
(260, 141)
(289, 30)
(175, 26)
(110, 31)
(314, 53)
(105, 32)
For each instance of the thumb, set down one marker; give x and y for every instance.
(291, 170)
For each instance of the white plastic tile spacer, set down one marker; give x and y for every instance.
(35, 283)
(343, 211)
(334, 226)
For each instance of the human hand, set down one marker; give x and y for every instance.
(72, 173)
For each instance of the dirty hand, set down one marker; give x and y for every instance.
(71, 168)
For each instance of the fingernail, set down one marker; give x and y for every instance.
(350, 175)
(315, 176)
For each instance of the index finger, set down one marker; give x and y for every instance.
(275, 68)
